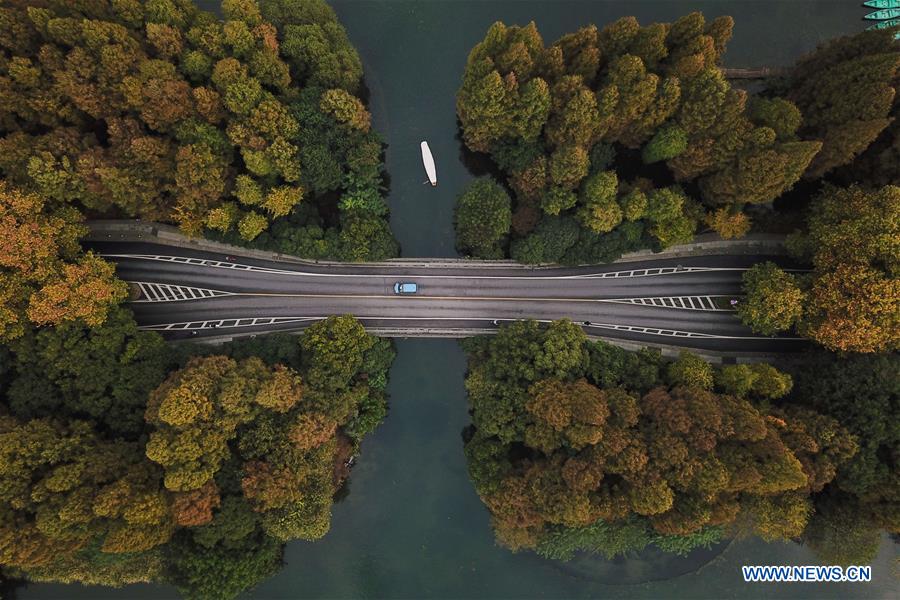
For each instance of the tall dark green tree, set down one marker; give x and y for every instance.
(483, 219)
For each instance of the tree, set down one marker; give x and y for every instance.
(780, 115)
(860, 390)
(566, 457)
(346, 109)
(333, 352)
(759, 175)
(483, 218)
(85, 291)
(666, 210)
(44, 276)
(769, 382)
(848, 108)
(551, 116)
(224, 571)
(692, 371)
(65, 488)
(157, 111)
(667, 143)
(599, 211)
(737, 380)
(314, 43)
(103, 373)
(838, 534)
(853, 300)
(773, 299)
(728, 224)
(197, 411)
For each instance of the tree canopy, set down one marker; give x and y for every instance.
(160, 111)
(581, 445)
(169, 467)
(45, 278)
(851, 300)
(555, 117)
(845, 90)
(483, 219)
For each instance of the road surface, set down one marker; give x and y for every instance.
(187, 293)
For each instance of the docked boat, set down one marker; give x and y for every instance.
(882, 3)
(887, 25)
(428, 161)
(884, 14)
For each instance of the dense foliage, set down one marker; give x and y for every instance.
(45, 278)
(121, 461)
(863, 391)
(851, 300)
(581, 445)
(483, 219)
(160, 111)
(624, 137)
(846, 91)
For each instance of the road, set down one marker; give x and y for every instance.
(187, 293)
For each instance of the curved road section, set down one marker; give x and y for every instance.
(685, 302)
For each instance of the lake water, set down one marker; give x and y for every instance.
(412, 525)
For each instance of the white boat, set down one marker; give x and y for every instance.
(428, 161)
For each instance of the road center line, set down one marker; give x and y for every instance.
(413, 298)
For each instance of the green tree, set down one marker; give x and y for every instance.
(692, 371)
(104, 373)
(769, 382)
(599, 210)
(849, 107)
(778, 114)
(667, 143)
(860, 390)
(773, 299)
(224, 571)
(853, 300)
(483, 218)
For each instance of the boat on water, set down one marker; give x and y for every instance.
(884, 14)
(428, 161)
(882, 3)
(887, 25)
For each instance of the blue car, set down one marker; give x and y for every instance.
(405, 287)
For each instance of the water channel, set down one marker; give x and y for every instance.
(412, 526)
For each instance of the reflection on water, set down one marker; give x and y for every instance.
(652, 565)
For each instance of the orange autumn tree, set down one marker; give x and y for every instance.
(854, 298)
(63, 488)
(615, 452)
(286, 447)
(851, 300)
(44, 276)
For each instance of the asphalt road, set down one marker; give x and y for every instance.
(682, 302)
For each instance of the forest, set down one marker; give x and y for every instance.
(581, 446)
(124, 459)
(249, 127)
(631, 137)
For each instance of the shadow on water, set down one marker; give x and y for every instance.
(478, 164)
